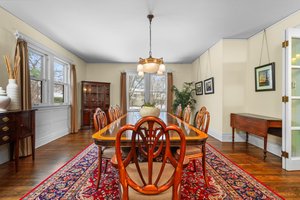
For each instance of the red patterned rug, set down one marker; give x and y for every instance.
(76, 180)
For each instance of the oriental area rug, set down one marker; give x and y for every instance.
(77, 178)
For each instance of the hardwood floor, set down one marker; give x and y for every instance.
(53, 155)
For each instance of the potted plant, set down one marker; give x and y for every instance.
(149, 109)
(185, 96)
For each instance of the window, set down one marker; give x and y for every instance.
(60, 82)
(150, 88)
(49, 77)
(36, 67)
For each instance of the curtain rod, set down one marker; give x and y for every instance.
(42, 47)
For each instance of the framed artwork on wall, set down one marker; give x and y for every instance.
(209, 86)
(265, 77)
(199, 88)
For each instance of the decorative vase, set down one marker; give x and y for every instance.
(4, 100)
(12, 90)
(149, 111)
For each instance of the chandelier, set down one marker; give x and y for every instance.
(150, 64)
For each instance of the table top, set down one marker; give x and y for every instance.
(107, 135)
(258, 116)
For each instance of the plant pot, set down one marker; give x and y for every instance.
(149, 111)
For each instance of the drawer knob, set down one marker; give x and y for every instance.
(5, 119)
(5, 128)
(5, 138)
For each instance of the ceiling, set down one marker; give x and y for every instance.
(113, 31)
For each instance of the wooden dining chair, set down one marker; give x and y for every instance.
(105, 152)
(96, 119)
(187, 114)
(194, 152)
(118, 111)
(178, 111)
(111, 114)
(141, 175)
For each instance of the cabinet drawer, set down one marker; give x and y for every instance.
(4, 119)
(7, 128)
(6, 138)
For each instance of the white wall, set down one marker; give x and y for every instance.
(44, 133)
(111, 73)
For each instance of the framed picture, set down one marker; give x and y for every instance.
(199, 88)
(265, 77)
(209, 86)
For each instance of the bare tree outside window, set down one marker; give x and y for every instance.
(158, 91)
(36, 63)
(150, 88)
(58, 89)
(136, 93)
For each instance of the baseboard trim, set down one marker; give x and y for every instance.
(273, 146)
(240, 137)
(51, 137)
(215, 134)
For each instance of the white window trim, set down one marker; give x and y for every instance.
(47, 91)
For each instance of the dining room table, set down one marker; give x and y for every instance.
(106, 136)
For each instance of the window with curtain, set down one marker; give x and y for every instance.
(149, 88)
(49, 77)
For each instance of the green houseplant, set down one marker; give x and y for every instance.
(184, 96)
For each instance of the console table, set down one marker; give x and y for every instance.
(14, 126)
(256, 124)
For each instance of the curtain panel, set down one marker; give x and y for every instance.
(74, 110)
(23, 80)
(123, 99)
(170, 92)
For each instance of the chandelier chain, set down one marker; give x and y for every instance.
(150, 51)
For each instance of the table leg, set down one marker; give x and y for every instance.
(247, 137)
(265, 146)
(33, 146)
(99, 165)
(204, 164)
(17, 154)
(232, 134)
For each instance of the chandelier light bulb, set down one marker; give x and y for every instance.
(140, 68)
(141, 73)
(162, 68)
(159, 72)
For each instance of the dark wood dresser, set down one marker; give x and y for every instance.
(14, 126)
(256, 124)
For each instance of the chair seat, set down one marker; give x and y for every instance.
(108, 152)
(192, 152)
(132, 173)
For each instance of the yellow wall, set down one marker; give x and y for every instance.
(111, 73)
(268, 103)
(209, 65)
(234, 76)
(9, 24)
